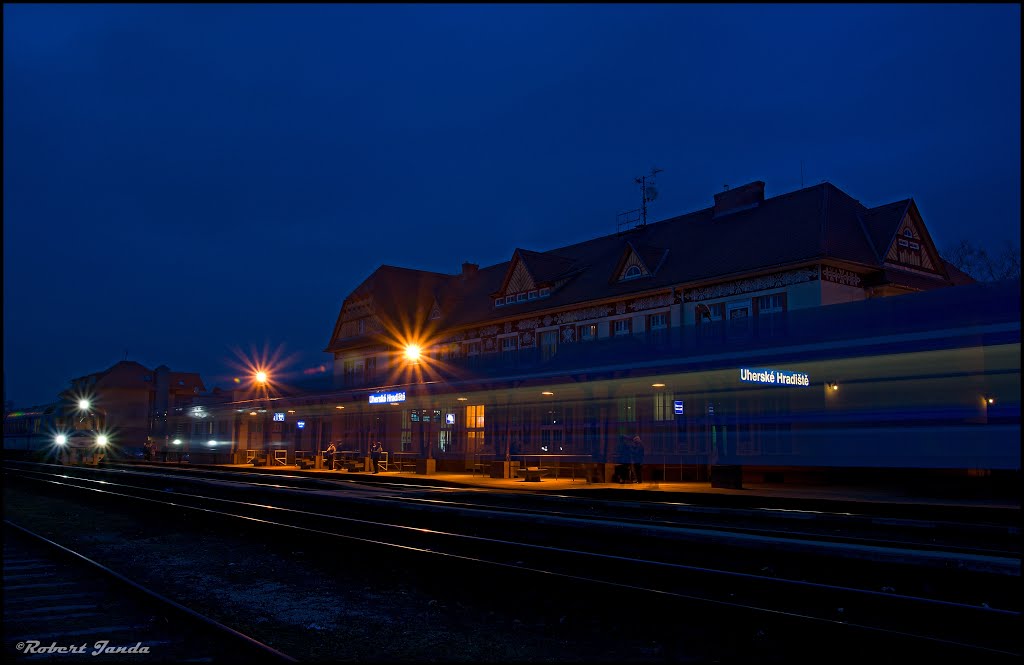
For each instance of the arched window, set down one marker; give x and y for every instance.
(632, 272)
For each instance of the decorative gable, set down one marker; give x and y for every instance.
(519, 279)
(912, 247)
(633, 267)
(638, 261)
(519, 284)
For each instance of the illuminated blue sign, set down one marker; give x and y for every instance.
(774, 377)
(449, 418)
(301, 424)
(678, 406)
(279, 417)
(387, 398)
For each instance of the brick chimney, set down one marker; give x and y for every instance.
(742, 198)
(469, 270)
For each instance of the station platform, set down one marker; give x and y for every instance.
(683, 492)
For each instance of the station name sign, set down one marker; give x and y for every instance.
(774, 377)
(387, 398)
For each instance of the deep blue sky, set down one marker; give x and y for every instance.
(182, 181)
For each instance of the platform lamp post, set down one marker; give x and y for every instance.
(263, 382)
(427, 465)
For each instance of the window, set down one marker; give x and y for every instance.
(498, 302)
(509, 300)
(473, 348)
(664, 408)
(548, 344)
(371, 368)
(475, 416)
(533, 295)
(908, 233)
(509, 344)
(521, 297)
(657, 321)
(903, 243)
(361, 326)
(621, 327)
(545, 292)
(914, 245)
(627, 409)
(588, 332)
(632, 273)
(775, 302)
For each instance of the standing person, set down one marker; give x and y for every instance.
(637, 472)
(329, 454)
(375, 450)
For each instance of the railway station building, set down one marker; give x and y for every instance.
(759, 334)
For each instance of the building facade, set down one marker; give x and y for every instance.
(670, 331)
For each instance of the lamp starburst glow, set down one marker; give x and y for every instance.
(261, 377)
(83, 404)
(412, 352)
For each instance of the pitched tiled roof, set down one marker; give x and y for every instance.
(818, 223)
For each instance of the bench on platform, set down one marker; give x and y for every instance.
(532, 475)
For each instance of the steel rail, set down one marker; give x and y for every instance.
(781, 586)
(152, 596)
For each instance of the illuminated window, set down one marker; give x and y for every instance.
(475, 416)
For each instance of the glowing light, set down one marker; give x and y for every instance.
(261, 377)
(61, 439)
(657, 385)
(83, 404)
(237, 380)
(547, 392)
(412, 352)
(462, 399)
(252, 413)
(291, 410)
(211, 442)
(102, 439)
(339, 407)
(177, 442)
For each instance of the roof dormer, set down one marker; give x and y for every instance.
(638, 262)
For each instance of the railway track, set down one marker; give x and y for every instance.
(963, 537)
(59, 604)
(829, 609)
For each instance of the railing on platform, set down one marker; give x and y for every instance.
(557, 463)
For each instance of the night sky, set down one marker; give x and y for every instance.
(197, 184)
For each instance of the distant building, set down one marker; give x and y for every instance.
(128, 401)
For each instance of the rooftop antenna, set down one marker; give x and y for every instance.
(648, 192)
